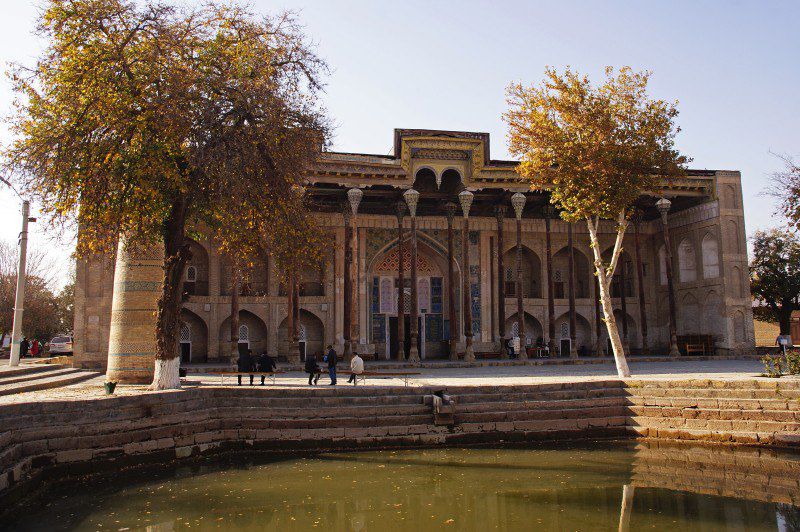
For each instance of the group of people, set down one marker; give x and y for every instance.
(29, 347)
(266, 364)
(331, 359)
(247, 363)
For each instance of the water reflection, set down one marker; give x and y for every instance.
(599, 486)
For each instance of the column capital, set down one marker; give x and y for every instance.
(500, 211)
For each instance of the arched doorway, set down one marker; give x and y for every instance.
(583, 335)
(311, 336)
(252, 334)
(432, 299)
(193, 338)
(533, 330)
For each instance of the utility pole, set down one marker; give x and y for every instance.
(16, 330)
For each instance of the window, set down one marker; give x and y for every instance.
(191, 274)
(244, 334)
(186, 333)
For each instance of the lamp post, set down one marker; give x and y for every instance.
(549, 211)
(663, 205)
(19, 299)
(518, 202)
(465, 199)
(412, 198)
(354, 196)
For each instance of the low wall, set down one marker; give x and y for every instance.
(57, 438)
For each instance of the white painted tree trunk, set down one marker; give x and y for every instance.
(166, 375)
(605, 274)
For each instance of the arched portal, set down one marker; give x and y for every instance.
(311, 336)
(583, 331)
(533, 329)
(583, 274)
(193, 338)
(432, 298)
(531, 275)
(250, 326)
(195, 279)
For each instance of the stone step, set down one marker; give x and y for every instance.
(738, 393)
(321, 402)
(284, 412)
(526, 415)
(25, 377)
(26, 369)
(46, 382)
(555, 395)
(687, 402)
(715, 425)
(716, 413)
(756, 383)
(494, 406)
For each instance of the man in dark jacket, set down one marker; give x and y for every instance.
(312, 368)
(332, 359)
(245, 365)
(266, 364)
(24, 345)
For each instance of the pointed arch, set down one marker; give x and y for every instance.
(531, 275)
(194, 336)
(689, 315)
(254, 327)
(533, 329)
(710, 250)
(584, 277)
(687, 261)
(311, 331)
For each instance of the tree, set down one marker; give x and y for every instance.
(44, 316)
(786, 189)
(775, 273)
(596, 149)
(151, 121)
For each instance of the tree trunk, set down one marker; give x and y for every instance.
(605, 273)
(176, 254)
(785, 319)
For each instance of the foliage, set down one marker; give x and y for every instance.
(775, 273)
(596, 149)
(46, 314)
(150, 120)
(786, 189)
(776, 366)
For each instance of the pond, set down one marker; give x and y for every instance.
(591, 486)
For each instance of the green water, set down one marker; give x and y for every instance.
(543, 488)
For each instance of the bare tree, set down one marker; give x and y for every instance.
(786, 189)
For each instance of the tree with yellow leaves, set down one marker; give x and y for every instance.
(596, 149)
(147, 120)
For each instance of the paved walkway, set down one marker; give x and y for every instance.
(475, 376)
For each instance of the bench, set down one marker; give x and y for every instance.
(695, 348)
(405, 375)
(223, 374)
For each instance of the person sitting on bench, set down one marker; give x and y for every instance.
(266, 364)
(245, 365)
(312, 368)
(356, 368)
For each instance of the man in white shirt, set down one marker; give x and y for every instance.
(356, 368)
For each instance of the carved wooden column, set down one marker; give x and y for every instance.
(290, 317)
(401, 294)
(235, 288)
(294, 310)
(412, 197)
(354, 196)
(465, 198)
(551, 311)
(450, 210)
(518, 202)
(640, 282)
(663, 205)
(347, 328)
(500, 214)
(573, 322)
(598, 319)
(623, 306)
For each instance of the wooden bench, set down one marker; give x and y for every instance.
(223, 374)
(405, 375)
(695, 348)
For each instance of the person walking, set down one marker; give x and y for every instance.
(331, 359)
(35, 348)
(24, 345)
(356, 368)
(312, 368)
(245, 365)
(266, 364)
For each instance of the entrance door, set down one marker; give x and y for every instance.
(393, 343)
(565, 347)
(186, 352)
(303, 350)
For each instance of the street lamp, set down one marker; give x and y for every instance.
(354, 196)
(518, 202)
(412, 197)
(465, 198)
(663, 205)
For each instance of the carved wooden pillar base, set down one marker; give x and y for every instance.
(469, 352)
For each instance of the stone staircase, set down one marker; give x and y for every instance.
(28, 378)
(752, 411)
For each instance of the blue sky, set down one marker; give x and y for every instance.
(733, 67)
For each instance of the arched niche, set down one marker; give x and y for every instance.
(531, 275)
(583, 331)
(533, 329)
(195, 278)
(311, 335)
(256, 334)
(710, 251)
(193, 337)
(687, 261)
(583, 274)
(688, 315)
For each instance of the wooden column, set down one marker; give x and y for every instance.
(355, 315)
(551, 311)
(640, 282)
(573, 322)
(235, 288)
(450, 209)
(467, 293)
(413, 352)
(500, 213)
(401, 295)
(598, 318)
(673, 319)
(294, 332)
(623, 305)
(290, 316)
(523, 353)
(348, 283)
